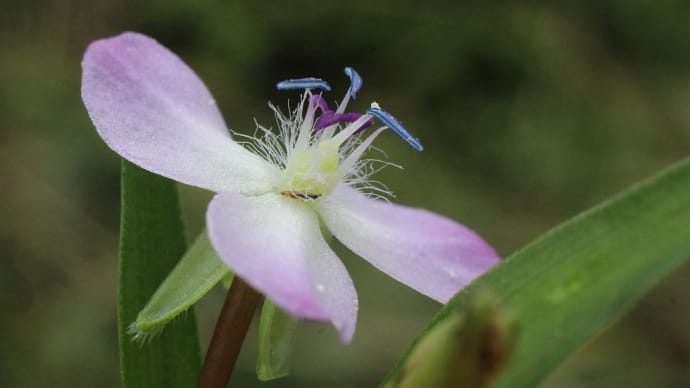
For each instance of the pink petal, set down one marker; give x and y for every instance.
(428, 252)
(152, 109)
(275, 244)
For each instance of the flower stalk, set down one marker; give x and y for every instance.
(235, 317)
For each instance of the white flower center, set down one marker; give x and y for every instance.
(318, 159)
(315, 160)
(316, 154)
(313, 172)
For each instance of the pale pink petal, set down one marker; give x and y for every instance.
(275, 244)
(153, 110)
(428, 252)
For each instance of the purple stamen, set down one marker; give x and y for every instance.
(364, 126)
(326, 120)
(397, 127)
(304, 83)
(349, 117)
(319, 102)
(355, 81)
(329, 118)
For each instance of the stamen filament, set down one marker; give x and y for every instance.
(343, 103)
(304, 135)
(351, 129)
(348, 163)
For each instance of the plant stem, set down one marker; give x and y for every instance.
(233, 323)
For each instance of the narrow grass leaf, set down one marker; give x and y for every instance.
(574, 281)
(151, 242)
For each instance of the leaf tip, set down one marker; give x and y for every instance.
(143, 334)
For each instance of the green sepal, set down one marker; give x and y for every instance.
(277, 331)
(194, 275)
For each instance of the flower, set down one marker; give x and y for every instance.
(268, 220)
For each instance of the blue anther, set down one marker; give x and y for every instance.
(355, 81)
(304, 83)
(392, 123)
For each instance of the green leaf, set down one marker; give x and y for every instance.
(151, 242)
(277, 331)
(194, 275)
(572, 282)
(464, 349)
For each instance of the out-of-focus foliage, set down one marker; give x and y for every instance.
(529, 113)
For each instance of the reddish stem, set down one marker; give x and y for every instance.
(233, 323)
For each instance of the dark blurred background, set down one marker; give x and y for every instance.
(530, 112)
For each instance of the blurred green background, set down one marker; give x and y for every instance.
(530, 112)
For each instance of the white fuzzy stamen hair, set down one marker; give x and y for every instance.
(277, 148)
